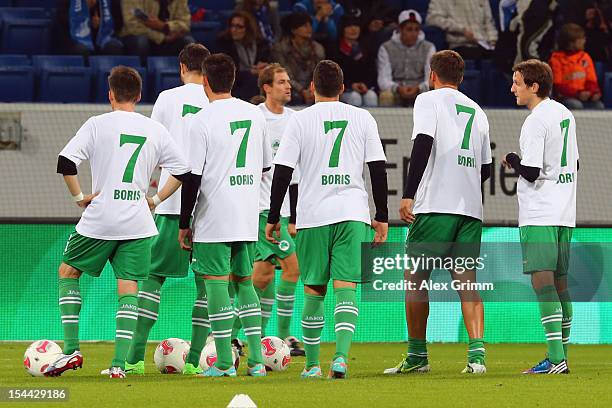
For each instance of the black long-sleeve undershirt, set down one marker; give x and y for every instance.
(293, 197)
(189, 194)
(380, 189)
(529, 173)
(66, 166)
(485, 172)
(280, 184)
(421, 149)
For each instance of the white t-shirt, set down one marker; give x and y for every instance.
(330, 142)
(123, 149)
(173, 108)
(460, 129)
(276, 125)
(548, 141)
(229, 148)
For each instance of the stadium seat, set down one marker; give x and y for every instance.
(62, 78)
(607, 89)
(471, 64)
(16, 79)
(419, 5)
(164, 74)
(214, 4)
(471, 85)
(436, 36)
(206, 32)
(285, 5)
(23, 12)
(6, 3)
(497, 91)
(101, 66)
(223, 16)
(25, 35)
(35, 3)
(600, 70)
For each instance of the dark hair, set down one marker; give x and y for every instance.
(448, 66)
(193, 55)
(536, 71)
(328, 78)
(347, 20)
(266, 76)
(220, 71)
(568, 34)
(252, 33)
(293, 21)
(126, 84)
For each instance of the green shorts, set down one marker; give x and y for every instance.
(440, 236)
(546, 249)
(222, 258)
(266, 250)
(130, 259)
(331, 252)
(167, 258)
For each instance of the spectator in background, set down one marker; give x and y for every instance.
(574, 78)
(79, 28)
(357, 64)
(325, 16)
(243, 42)
(299, 53)
(595, 16)
(403, 62)
(266, 16)
(468, 24)
(155, 27)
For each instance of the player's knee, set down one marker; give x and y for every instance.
(127, 287)
(316, 290)
(67, 271)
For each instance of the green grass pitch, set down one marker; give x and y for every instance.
(589, 383)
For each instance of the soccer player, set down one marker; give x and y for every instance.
(173, 108)
(442, 201)
(123, 148)
(274, 82)
(546, 192)
(229, 151)
(330, 141)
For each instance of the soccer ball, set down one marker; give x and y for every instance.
(275, 352)
(39, 355)
(209, 356)
(170, 356)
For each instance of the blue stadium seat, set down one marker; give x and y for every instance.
(16, 79)
(436, 36)
(101, 66)
(607, 89)
(224, 15)
(600, 70)
(35, 3)
(213, 4)
(23, 12)
(497, 87)
(6, 3)
(285, 5)
(206, 32)
(164, 74)
(62, 78)
(25, 35)
(471, 85)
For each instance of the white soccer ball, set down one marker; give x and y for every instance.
(275, 352)
(170, 356)
(209, 356)
(39, 355)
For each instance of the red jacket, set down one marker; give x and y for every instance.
(573, 72)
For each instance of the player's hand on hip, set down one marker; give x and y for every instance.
(505, 162)
(271, 231)
(380, 231)
(185, 238)
(292, 230)
(405, 210)
(87, 200)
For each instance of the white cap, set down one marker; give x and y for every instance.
(409, 15)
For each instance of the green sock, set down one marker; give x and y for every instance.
(148, 309)
(221, 316)
(417, 350)
(249, 312)
(70, 308)
(551, 316)
(266, 299)
(126, 318)
(200, 325)
(285, 297)
(566, 323)
(345, 316)
(476, 351)
(236, 325)
(313, 320)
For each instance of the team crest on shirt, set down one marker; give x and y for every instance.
(283, 245)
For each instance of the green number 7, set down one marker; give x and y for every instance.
(465, 144)
(128, 174)
(564, 128)
(334, 158)
(241, 124)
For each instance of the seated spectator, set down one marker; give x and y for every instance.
(357, 65)
(403, 62)
(266, 16)
(325, 16)
(596, 19)
(155, 27)
(243, 42)
(574, 78)
(80, 30)
(299, 54)
(379, 20)
(469, 26)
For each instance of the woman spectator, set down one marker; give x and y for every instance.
(299, 53)
(243, 42)
(357, 64)
(325, 16)
(574, 77)
(266, 16)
